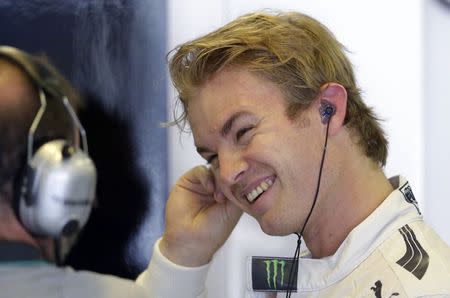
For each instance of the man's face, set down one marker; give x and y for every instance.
(264, 162)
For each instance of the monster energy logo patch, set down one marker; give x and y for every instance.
(271, 274)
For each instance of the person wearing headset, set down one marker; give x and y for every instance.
(47, 189)
(275, 111)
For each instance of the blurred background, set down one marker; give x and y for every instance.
(114, 52)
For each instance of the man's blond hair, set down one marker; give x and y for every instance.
(294, 51)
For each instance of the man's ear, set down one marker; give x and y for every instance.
(333, 95)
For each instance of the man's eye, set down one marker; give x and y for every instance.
(211, 159)
(241, 132)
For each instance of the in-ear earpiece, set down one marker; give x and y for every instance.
(326, 111)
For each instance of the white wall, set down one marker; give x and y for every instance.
(187, 20)
(437, 120)
(385, 38)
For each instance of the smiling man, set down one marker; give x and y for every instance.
(276, 112)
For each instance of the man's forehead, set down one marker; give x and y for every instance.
(219, 122)
(227, 96)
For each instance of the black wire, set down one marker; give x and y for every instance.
(294, 267)
(295, 262)
(318, 180)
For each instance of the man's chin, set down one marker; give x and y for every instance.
(274, 228)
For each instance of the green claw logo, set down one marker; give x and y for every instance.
(272, 279)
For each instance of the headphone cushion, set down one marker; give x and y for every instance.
(58, 190)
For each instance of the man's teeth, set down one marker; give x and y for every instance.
(251, 196)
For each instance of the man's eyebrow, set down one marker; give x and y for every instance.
(229, 123)
(225, 129)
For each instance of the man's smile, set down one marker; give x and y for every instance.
(252, 195)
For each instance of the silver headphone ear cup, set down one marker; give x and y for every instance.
(61, 190)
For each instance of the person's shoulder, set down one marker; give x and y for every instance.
(419, 259)
(92, 284)
(46, 280)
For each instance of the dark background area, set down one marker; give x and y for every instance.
(113, 51)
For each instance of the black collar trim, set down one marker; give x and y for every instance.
(18, 251)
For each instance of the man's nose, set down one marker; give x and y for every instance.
(232, 166)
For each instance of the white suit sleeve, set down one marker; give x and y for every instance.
(166, 279)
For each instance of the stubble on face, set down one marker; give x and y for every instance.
(302, 122)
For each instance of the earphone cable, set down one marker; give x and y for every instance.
(294, 268)
(295, 262)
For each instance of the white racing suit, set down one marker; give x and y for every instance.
(392, 253)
